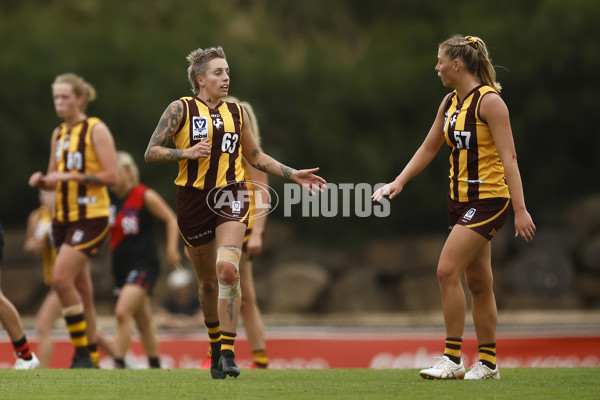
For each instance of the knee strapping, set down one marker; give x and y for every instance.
(73, 310)
(230, 291)
(230, 254)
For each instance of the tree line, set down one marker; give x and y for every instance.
(345, 85)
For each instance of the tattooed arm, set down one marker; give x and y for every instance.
(157, 150)
(268, 164)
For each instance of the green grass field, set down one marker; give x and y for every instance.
(347, 384)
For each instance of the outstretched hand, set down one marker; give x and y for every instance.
(49, 181)
(391, 189)
(36, 179)
(54, 177)
(307, 179)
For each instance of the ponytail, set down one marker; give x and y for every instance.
(474, 54)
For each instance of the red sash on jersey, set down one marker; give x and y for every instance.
(134, 200)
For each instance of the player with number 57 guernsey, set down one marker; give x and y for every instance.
(476, 171)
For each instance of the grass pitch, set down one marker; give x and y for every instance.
(347, 384)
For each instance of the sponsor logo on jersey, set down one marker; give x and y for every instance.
(199, 128)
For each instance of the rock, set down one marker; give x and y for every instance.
(420, 293)
(587, 286)
(583, 217)
(296, 286)
(359, 290)
(404, 254)
(541, 270)
(588, 253)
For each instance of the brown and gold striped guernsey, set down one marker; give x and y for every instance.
(476, 171)
(43, 227)
(222, 126)
(75, 153)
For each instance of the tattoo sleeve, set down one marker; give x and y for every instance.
(286, 171)
(262, 167)
(163, 134)
(91, 179)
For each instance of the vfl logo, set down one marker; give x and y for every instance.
(199, 128)
(469, 215)
(77, 236)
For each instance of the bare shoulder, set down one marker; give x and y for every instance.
(55, 132)
(492, 105)
(150, 194)
(100, 127)
(492, 100)
(153, 197)
(101, 133)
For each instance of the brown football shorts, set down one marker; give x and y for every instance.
(200, 212)
(85, 235)
(485, 216)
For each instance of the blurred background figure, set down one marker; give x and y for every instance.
(257, 181)
(135, 209)
(11, 321)
(82, 164)
(180, 308)
(39, 242)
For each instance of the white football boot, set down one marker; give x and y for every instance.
(480, 371)
(34, 363)
(444, 369)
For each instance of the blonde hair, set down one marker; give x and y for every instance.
(251, 115)
(79, 85)
(125, 160)
(199, 60)
(472, 51)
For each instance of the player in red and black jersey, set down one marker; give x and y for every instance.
(135, 209)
